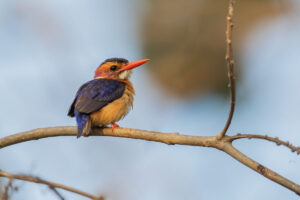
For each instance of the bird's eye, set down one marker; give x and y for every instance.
(113, 68)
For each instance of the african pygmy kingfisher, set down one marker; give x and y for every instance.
(107, 98)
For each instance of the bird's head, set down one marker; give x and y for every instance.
(117, 68)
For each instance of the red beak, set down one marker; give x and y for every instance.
(133, 64)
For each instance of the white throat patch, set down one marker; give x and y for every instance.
(125, 74)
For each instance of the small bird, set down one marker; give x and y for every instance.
(107, 98)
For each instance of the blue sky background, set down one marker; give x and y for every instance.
(49, 48)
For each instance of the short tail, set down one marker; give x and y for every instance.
(84, 124)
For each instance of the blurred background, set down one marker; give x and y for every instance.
(48, 49)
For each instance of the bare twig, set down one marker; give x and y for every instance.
(223, 144)
(5, 195)
(50, 184)
(60, 196)
(167, 138)
(271, 139)
(266, 172)
(230, 65)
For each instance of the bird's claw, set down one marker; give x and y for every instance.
(114, 125)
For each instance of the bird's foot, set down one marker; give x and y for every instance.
(114, 125)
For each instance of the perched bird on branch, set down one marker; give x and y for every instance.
(107, 98)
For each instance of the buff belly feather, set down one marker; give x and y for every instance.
(115, 110)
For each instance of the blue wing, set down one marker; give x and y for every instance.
(91, 97)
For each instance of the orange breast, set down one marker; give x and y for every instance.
(115, 110)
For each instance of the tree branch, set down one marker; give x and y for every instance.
(167, 138)
(268, 138)
(50, 184)
(223, 144)
(233, 152)
(60, 196)
(230, 66)
(8, 186)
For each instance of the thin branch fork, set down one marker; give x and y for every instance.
(51, 185)
(224, 144)
(230, 66)
(276, 140)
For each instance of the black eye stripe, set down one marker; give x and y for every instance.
(113, 67)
